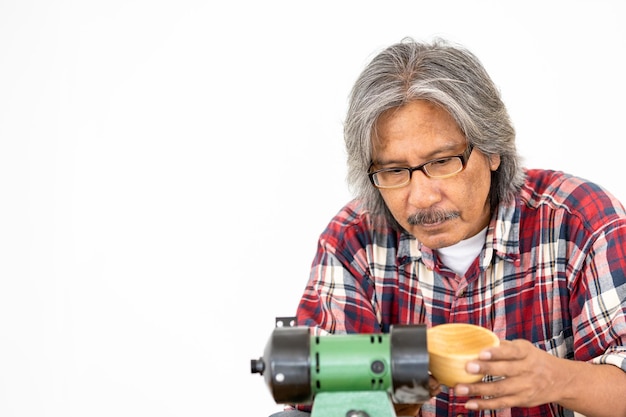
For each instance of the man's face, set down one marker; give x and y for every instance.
(439, 212)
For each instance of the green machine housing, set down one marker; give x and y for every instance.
(351, 375)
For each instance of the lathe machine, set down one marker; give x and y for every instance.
(354, 375)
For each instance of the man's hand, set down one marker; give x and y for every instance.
(531, 377)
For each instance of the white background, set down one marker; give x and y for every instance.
(167, 166)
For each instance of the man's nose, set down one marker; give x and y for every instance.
(423, 191)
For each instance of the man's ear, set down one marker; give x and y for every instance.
(494, 161)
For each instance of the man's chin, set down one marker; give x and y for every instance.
(435, 238)
(437, 244)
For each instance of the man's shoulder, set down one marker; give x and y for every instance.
(355, 222)
(557, 187)
(578, 196)
(356, 213)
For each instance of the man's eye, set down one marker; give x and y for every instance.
(440, 162)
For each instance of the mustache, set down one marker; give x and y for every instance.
(431, 216)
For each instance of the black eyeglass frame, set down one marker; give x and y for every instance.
(464, 157)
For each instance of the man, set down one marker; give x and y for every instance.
(448, 227)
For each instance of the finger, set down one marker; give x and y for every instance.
(506, 360)
(507, 350)
(488, 395)
(495, 369)
(489, 403)
(485, 389)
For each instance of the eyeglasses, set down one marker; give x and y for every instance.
(397, 177)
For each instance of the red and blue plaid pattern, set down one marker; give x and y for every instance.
(552, 271)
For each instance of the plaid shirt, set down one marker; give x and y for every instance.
(552, 271)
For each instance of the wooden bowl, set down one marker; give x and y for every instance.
(451, 346)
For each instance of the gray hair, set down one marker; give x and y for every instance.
(448, 75)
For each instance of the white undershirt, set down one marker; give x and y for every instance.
(460, 256)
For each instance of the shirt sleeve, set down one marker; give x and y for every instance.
(339, 296)
(601, 319)
(598, 299)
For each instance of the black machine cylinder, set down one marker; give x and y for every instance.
(286, 365)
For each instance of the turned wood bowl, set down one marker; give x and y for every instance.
(451, 346)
